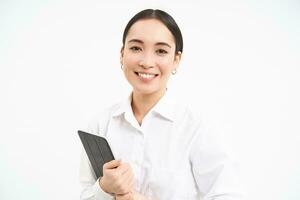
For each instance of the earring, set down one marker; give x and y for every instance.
(121, 67)
(174, 71)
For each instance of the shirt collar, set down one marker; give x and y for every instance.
(165, 107)
(125, 106)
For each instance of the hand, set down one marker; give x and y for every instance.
(117, 178)
(131, 196)
(127, 196)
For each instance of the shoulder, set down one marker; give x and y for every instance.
(99, 122)
(181, 111)
(188, 121)
(198, 127)
(188, 114)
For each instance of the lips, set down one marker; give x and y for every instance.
(146, 76)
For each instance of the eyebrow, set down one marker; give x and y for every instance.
(158, 43)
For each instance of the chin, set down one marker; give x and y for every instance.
(146, 91)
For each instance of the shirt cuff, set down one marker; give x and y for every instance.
(100, 194)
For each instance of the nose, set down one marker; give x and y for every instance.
(147, 61)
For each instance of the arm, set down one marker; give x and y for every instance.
(89, 184)
(132, 196)
(213, 167)
(117, 179)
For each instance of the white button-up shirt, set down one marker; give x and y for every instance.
(172, 154)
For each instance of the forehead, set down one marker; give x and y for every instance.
(151, 31)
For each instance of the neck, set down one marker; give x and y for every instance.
(142, 103)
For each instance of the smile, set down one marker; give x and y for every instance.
(146, 76)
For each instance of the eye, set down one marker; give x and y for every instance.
(161, 52)
(135, 49)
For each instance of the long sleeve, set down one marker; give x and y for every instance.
(213, 167)
(91, 189)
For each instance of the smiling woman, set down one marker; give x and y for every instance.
(166, 150)
(149, 57)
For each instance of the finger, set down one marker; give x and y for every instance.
(121, 197)
(127, 180)
(112, 164)
(124, 183)
(123, 168)
(130, 181)
(128, 174)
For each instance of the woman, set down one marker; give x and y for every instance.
(163, 150)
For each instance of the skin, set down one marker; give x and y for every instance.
(117, 178)
(149, 49)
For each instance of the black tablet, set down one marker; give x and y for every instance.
(97, 150)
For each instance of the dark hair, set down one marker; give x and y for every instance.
(162, 16)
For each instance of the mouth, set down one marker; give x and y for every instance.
(146, 76)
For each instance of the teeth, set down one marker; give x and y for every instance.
(143, 75)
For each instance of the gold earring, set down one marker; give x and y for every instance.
(174, 71)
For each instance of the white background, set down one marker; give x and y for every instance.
(59, 66)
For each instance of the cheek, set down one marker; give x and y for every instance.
(130, 59)
(130, 63)
(166, 65)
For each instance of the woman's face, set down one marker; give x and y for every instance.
(148, 56)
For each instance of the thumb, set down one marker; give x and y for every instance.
(112, 164)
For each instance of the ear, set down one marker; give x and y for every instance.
(121, 55)
(177, 59)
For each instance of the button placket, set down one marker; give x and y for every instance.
(144, 164)
(137, 160)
